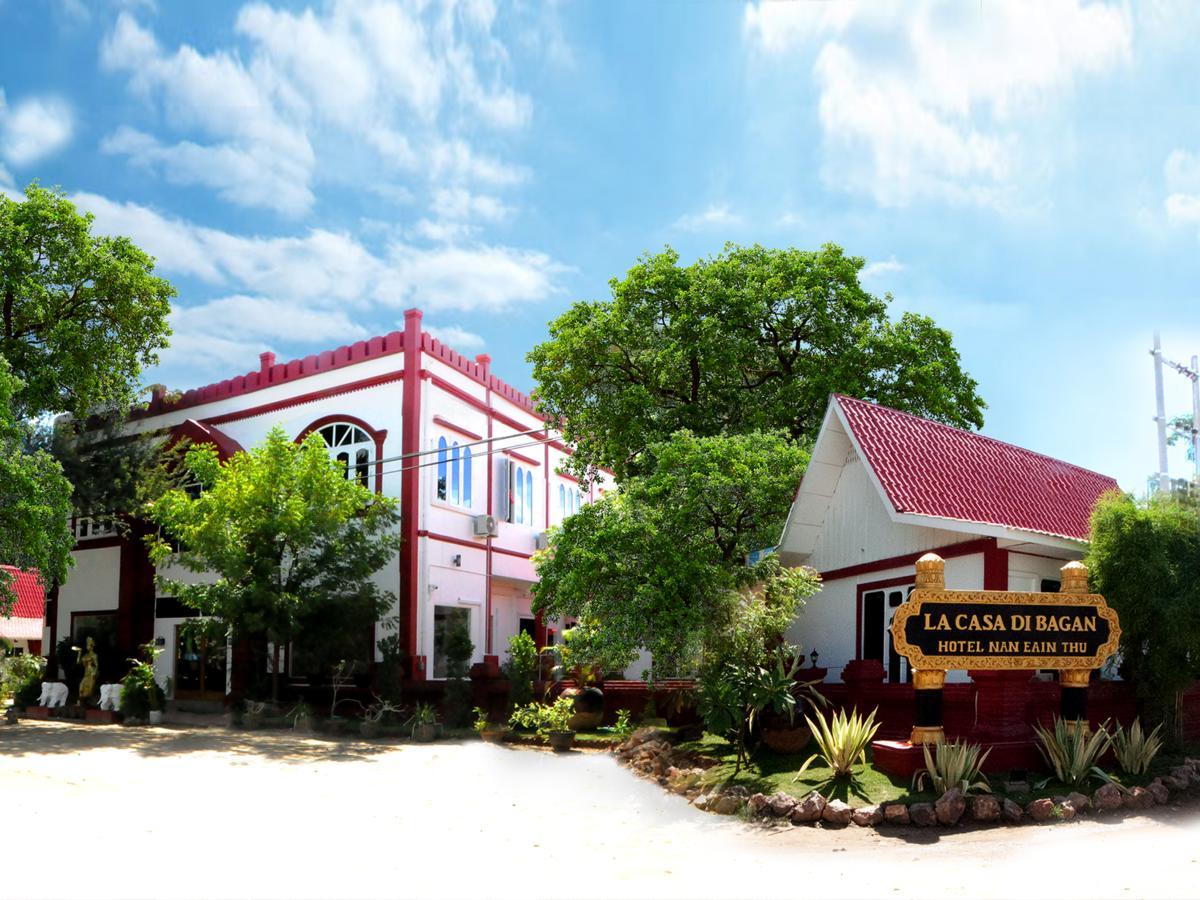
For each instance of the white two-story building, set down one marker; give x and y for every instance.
(475, 471)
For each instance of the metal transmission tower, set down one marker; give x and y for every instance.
(1192, 373)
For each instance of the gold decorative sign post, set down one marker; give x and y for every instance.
(936, 629)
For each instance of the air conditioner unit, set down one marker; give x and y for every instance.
(541, 540)
(485, 526)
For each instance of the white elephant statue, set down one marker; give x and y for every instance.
(110, 696)
(54, 693)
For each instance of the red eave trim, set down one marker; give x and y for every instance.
(301, 399)
(964, 548)
(474, 545)
(465, 432)
(525, 459)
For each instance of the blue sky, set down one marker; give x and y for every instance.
(1026, 173)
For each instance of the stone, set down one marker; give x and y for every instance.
(985, 808)
(1175, 784)
(837, 812)
(809, 809)
(702, 801)
(1158, 791)
(1040, 810)
(1107, 798)
(1064, 811)
(922, 814)
(950, 807)
(781, 804)
(1011, 810)
(757, 804)
(895, 814)
(727, 805)
(1139, 798)
(867, 816)
(1078, 802)
(1185, 774)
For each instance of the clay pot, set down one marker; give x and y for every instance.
(424, 734)
(561, 741)
(787, 740)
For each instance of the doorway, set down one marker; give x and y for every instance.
(199, 666)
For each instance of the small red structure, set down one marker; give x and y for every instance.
(25, 625)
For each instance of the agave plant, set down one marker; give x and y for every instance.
(843, 740)
(1072, 753)
(1135, 749)
(953, 765)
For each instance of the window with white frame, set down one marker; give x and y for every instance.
(569, 501)
(521, 496)
(454, 473)
(84, 527)
(352, 448)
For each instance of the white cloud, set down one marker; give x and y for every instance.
(1182, 174)
(457, 337)
(413, 83)
(326, 269)
(33, 129)
(712, 216)
(924, 100)
(889, 266)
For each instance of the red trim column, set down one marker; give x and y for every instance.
(485, 362)
(995, 568)
(410, 487)
(1002, 696)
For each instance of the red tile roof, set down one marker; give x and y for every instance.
(930, 469)
(31, 598)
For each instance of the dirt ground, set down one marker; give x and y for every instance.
(113, 812)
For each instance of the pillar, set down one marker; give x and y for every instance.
(928, 683)
(1073, 683)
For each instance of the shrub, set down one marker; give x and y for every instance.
(623, 726)
(140, 691)
(481, 720)
(1135, 749)
(458, 648)
(1072, 753)
(953, 765)
(521, 668)
(21, 678)
(423, 714)
(843, 740)
(544, 718)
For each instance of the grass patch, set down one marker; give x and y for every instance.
(768, 772)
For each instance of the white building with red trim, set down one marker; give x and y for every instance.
(476, 473)
(22, 627)
(884, 487)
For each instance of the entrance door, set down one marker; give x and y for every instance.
(878, 609)
(199, 666)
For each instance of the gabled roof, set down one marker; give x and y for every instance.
(27, 616)
(930, 469)
(936, 476)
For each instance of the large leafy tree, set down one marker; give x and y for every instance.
(753, 339)
(34, 502)
(291, 542)
(1144, 557)
(80, 314)
(660, 564)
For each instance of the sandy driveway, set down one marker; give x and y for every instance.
(112, 812)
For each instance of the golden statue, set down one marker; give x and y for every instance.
(91, 663)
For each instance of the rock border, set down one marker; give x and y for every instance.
(650, 753)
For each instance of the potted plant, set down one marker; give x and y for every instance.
(492, 732)
(142, 699)
(301, 716)
(424, 723)
(373, 717)
(555, 723)
(252, 717)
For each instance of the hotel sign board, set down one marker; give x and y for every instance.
(939, 629)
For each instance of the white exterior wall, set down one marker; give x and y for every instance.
(858, 529)
(1026, 571)
(93, 584)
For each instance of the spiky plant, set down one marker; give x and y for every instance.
(843, 740)
(1072, 753)
(1135, 749)
(953, 765)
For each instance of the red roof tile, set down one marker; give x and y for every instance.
(31, 598)
(930, 469)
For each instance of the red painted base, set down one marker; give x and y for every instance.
(900, 759)
(101, 717)
(37, 712)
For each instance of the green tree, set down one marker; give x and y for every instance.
(1144, 557)
(288, 537)
(752, 339)
(80, 314)
(658, 565)
(34, 502)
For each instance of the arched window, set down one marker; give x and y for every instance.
(455, 474)
(562, 502)
(528, 498)
(466, 478)
(441, 469)
(353, 449)
(520, 504)
(578, 501)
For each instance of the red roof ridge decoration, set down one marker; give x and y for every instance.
(927, 468)
(270, 373)
(31, 596)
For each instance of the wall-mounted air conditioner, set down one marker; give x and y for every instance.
(485, 526)
(541, 540)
